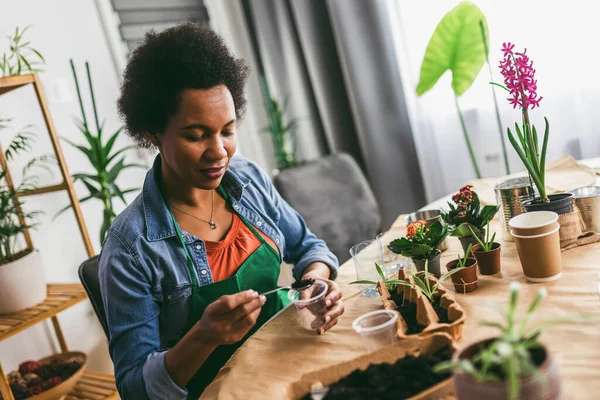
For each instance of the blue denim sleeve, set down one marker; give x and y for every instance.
(302, 247)
(132, 316)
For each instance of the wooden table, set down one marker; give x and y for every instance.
(282, 351)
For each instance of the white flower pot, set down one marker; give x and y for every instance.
(22, 283)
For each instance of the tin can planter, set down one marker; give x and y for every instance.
(510, 194)
(488, 261)
(544, 385)
(433, 266)
(464, 281)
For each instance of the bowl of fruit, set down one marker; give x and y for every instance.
(50, 378)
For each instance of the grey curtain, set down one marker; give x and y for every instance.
(335, 61)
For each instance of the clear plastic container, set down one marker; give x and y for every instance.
(377, 328)
(365, 255)
(310, 304)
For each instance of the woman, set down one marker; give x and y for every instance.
(182, 267)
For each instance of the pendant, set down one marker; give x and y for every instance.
(212, 225)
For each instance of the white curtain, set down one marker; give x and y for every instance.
(561, 38)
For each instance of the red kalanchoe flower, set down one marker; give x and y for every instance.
(519, 78)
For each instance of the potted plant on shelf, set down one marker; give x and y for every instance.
(22, 281)
(487, 253)
(466, 216)
(513, 365)
(519, 81)
(21, 57)
(465, 280)
(421, 244)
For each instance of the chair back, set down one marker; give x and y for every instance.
(335, 199)
(88, 275)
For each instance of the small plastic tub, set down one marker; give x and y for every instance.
(310, 304)
(377, 328)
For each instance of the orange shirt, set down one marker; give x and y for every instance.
(226, 257)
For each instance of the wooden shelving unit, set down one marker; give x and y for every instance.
(93, 385)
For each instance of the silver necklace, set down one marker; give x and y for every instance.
(210, 223)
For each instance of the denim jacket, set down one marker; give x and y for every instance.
(146, 284)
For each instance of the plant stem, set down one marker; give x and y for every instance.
(78, 93)
(498, 120)
(89, 75)
(467, 139)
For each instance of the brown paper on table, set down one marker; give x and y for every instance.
(413, 346)
(282, 351)
(561, 175)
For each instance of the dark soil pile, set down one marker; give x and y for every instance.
(408, 311)
(405, 378)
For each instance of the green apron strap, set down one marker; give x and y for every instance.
(188, 257)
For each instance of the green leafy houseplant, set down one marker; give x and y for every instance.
(462, 261)
(106, 161)
(420, 243)
(456, 45)
(509, 357)
(13, 219)
(282, 133)
(487, 243)
(21, 57)
(467, 216)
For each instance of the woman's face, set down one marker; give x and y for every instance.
(200, 138)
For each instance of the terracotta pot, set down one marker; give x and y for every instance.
(467, 240)
(465, 281)
(546, 386)
(488, 261)
(433, 266)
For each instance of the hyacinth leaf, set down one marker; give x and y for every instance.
(543, 156)
(455, 45)
(528, 165)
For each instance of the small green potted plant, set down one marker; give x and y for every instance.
(466, 216)
(513, 365)
(465, 281)
(487, 253)
(22, 281)
(421, 244)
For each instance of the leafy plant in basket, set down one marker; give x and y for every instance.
(515, 357)
(106, 161)
(424, 285)
(21, 57)
(13, 219)
(520, 83)
(466, 214)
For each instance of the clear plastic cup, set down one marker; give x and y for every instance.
(377, 328)
(365, 255)
(310, 304)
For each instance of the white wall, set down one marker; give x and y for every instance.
(61, 30)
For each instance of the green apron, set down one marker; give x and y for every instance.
(259, 272)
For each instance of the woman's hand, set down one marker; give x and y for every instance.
(333, 299)
(230, 318)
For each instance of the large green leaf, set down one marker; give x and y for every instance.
(456, 45)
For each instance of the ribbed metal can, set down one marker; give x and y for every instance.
(509, 196)
(587, 199)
